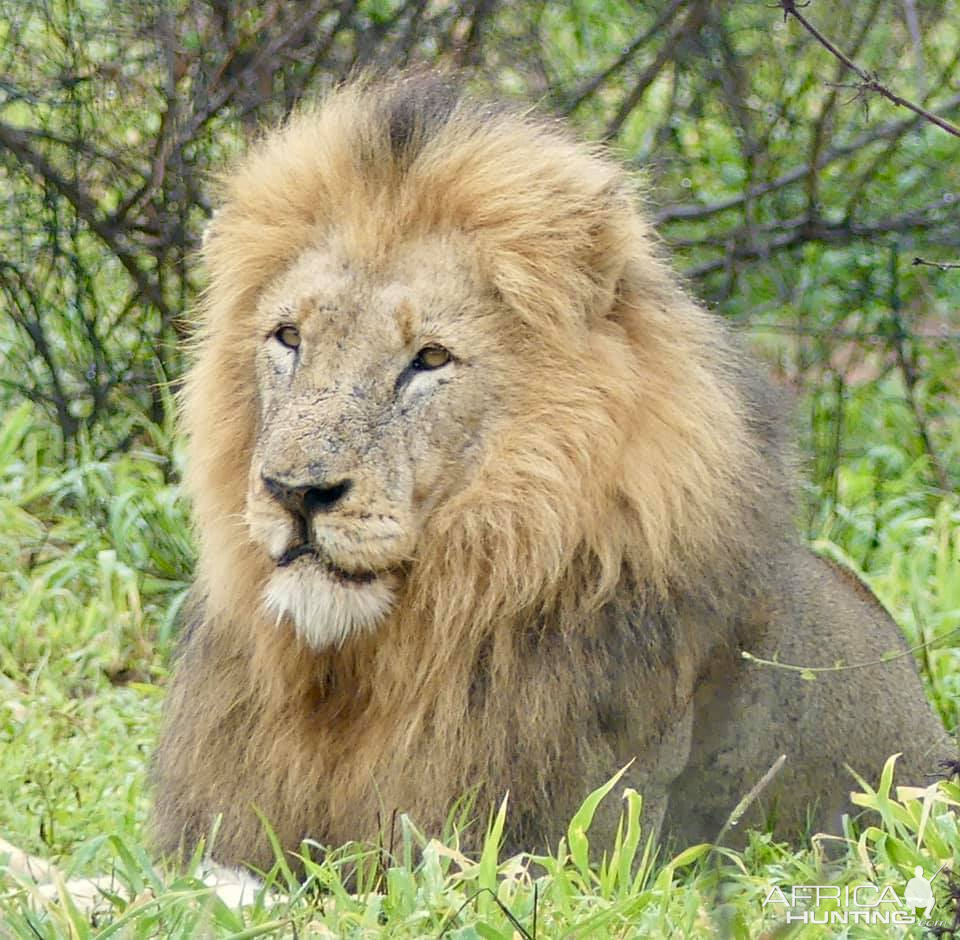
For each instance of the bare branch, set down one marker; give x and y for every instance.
(940, 265)
(801, 229)
(690, 25)
(17, 143)
(579, 95)
(820, 126)
(887, 131)
(469, 54)
(17, 291)
(868, 82)
(907, 362)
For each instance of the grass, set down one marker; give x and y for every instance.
(94, 561)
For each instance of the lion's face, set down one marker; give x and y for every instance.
(375, 383)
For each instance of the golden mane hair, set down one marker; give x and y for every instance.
(638, 473)
(643, 422)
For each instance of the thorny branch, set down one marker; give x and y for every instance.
(869, 82)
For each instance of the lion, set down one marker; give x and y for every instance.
(487, 504)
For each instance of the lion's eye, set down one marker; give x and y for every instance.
(288, 336)
(431, 357)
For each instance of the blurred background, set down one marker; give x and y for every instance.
(795, 197)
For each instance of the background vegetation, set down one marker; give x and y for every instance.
(795, 197)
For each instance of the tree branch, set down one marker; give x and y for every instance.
(939, 265)
(588, 87)
(907, 363)
(869, 82)
(887, 131)
(691, 24)
(17, 143)
(800, 230)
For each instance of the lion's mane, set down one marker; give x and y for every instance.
(632, 470)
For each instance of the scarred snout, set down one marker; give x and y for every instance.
(370, 410)
(337, 527)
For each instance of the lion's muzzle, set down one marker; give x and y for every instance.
(337, 560)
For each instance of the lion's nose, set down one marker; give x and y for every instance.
(306, 499)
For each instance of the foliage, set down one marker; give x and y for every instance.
(793, 193)
(95, 562)
(794, 199)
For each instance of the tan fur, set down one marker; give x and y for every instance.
(579, 523)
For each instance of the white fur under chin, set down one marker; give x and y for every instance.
(324, 611)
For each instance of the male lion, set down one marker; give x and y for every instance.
(486, 501)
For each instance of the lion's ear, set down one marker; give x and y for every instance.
(572, 258)
(615, 239)
(630, 271)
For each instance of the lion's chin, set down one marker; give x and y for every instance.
(326, 608)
